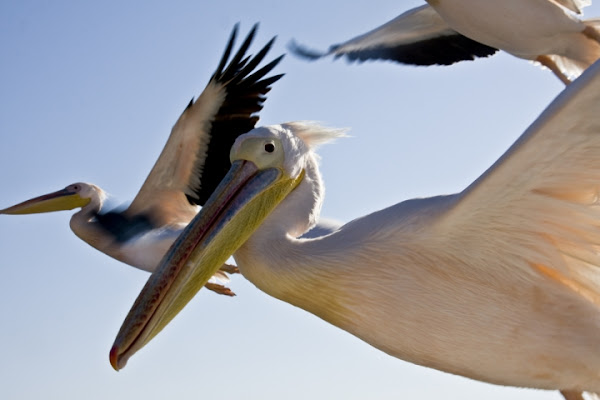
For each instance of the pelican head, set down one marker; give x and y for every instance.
(73, 196)
(268, 163)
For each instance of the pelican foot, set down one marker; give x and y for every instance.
(230, 269)
(219, 289)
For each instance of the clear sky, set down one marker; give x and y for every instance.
(89, 92)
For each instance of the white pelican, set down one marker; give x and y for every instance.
(192, 163)
(499, 283)
(447, 31)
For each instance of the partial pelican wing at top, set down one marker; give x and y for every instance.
(538, 207)
(574, 5)
(196, 155)
(419, 37)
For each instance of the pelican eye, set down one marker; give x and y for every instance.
(269, 147)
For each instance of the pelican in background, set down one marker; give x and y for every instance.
(499, 283)
(447, 31)
(192, 163)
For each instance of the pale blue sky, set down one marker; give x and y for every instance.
(89, 92)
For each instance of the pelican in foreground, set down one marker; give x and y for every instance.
(499, 283)
(447, 31)
(192, 163)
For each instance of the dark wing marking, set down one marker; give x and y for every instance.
(123, 227)
(245, 94)
(443, 50)
(419, 37)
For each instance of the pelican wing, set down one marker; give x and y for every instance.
(196, 156)
(537, 208)
(419, 37)
(574, 5)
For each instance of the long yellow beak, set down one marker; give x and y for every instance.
(237, 207)
(64, 199)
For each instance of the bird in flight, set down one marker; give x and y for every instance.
(189, 168)
(444, 32)
(499, 282)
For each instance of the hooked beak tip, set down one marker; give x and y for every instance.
(114, 358)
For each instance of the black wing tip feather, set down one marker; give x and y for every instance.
(238, 60)
(442, 50)
(305, 52)
(228, 49)
(254, 61)
(241, 65)
(267, 82)
(190, 104)
(256, 76)
(240, 70)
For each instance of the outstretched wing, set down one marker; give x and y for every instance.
(537, 209)
(419, 37)
(196, 156)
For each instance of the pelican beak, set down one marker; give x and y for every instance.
(65, 199)
(241, 202)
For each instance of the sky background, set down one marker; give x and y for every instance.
(89, 92)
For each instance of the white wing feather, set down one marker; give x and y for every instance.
(163, 191)
(537, 208)
(415, 25)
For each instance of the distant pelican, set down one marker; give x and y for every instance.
(499, 283)
(447, 31)
(192, 163)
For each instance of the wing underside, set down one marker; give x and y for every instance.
(537, 209)
(196, 155)
(417, 37)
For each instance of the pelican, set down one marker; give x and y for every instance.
(192, 163)
(447, 31)
(499, 282)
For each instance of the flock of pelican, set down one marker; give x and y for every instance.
(499, 282)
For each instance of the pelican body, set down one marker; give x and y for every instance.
(499, 283)
(192, 163)
(447, 31)
(134, 241)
